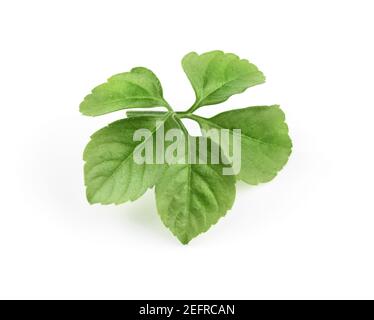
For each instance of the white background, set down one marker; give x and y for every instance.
(307, 234)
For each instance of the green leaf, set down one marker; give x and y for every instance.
(138, 88)
(265, 144)
(192, 197)
(111, 174)
(215, 76)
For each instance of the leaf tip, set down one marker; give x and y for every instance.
(184, 239)
(84, 107)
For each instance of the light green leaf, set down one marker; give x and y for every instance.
(265, 144)
(215, 76)
(111, 174)
(138, 88)
(192, 197)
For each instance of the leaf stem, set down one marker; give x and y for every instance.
(182, 114)
(193, 107)
(190, 116)
(167, 106)
(184, 129)
(133, 114)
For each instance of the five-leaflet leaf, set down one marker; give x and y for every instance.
(190, 197)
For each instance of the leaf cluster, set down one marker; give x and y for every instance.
(190, 197)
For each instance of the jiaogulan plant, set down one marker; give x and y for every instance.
(190, 196)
